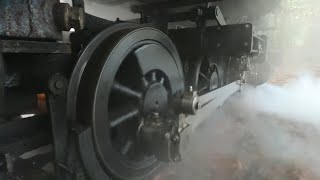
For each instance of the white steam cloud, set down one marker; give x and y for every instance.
(268, 132)
(298, 100)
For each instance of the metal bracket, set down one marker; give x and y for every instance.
(210, 12)
(57, 106)
(219, 16)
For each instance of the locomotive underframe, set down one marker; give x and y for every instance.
(57, 80)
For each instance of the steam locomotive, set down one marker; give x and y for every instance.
(112, 95)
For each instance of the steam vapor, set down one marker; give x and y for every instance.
(268, 132)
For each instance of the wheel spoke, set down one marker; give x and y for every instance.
(162, 80)
(202, 89)
(145, 83)
(126, 90)
(154, 76)
(204, 76)
(127, 147)
(153, 56)
(214, 69)
(123, 118)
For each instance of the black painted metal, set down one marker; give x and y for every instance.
(59, 124)
(91, 164)
(160, 137)
(96, 24)
(149, 6)
(228, 40)
(153, 56)
(123, 75)
(86, 145)
(85, 56)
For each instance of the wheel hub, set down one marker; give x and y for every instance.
(155, 99)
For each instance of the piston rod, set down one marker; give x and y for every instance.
(220, 95)
(191, 103)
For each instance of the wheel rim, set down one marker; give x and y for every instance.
(148, 57)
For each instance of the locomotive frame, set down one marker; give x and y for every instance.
(110, 98)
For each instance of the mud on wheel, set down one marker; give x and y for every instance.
(114, 107)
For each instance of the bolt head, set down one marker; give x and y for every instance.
(177, 158)
(176, 138)
(59, 84)
(167, 135)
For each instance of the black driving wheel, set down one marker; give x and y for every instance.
(208, 79)
(133, 73)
